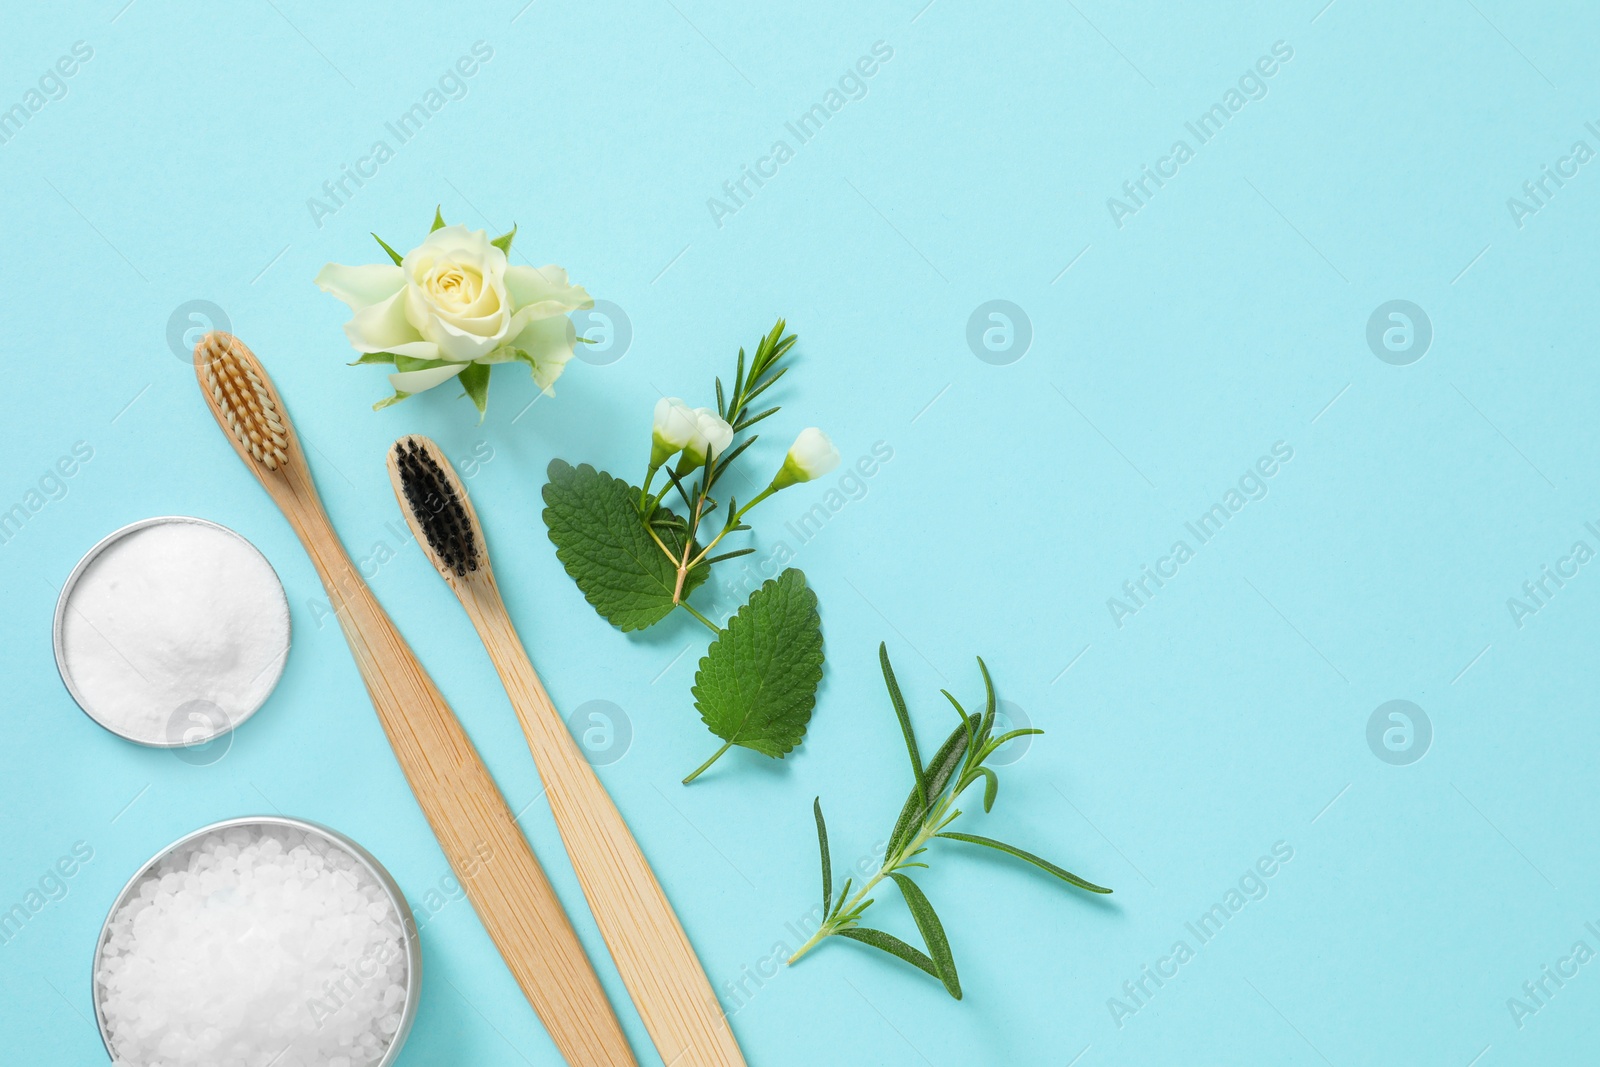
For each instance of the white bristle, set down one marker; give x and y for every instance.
(245, 404)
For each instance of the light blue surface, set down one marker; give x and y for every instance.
(1227, 314)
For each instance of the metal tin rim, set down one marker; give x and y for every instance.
(408, 922)
(58, 626)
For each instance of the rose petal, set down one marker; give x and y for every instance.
(415, 381)
(417, 350)
(360, 287)
(453, 341)
(455, 242)
(548, 345)
(381, 327)
(544, 291)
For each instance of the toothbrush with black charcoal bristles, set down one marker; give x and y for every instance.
(652, 953)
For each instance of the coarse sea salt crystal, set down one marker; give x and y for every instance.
(252, 947)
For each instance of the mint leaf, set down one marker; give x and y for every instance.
(593, 519)
(757, 683)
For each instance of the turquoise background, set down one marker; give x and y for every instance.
(1229, 313)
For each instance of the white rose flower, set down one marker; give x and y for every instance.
(454, 301)
(712, 436)
(674, 427)
(811, 456)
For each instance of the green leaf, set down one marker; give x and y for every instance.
(995, 743)
(373, 357)
(827, 866)
(991, 787)
(475, 380)
(757, 683)
(904, 716)
(438, 219)
(396, 256)
(943, 765)
(725, 460)
(1042, 864)
(932, 933)
(750, 420)
(390, 400)
(503, 242)
(892, 945)
(970, 723)
(989, 704)
(593, 520)
(410, 363)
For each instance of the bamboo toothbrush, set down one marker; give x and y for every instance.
(651, 951)
(470, 818)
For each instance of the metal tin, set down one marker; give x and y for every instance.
(59, 625)
(408, 923)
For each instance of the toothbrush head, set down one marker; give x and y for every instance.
(437, 507)
(244, 401)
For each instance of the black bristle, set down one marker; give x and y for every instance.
(438, 510)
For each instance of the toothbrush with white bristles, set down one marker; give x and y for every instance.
(474, 826)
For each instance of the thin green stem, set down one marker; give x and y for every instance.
(731, 524)
(686, 606)
(816, 939)
(706, 551)
(758, 498)
(660, 544)
(716, 756)
(644, 493)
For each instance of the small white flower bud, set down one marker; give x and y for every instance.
(811, 456)
(712, 436)
(675, 426)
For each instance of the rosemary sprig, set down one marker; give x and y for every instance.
(927, 813)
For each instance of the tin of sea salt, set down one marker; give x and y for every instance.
(391, 889)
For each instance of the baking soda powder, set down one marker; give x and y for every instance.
(174, 632)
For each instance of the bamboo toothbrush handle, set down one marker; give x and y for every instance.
(652, 953)
(479, 835)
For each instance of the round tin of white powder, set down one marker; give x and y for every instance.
(365, 859)
(171, 631)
